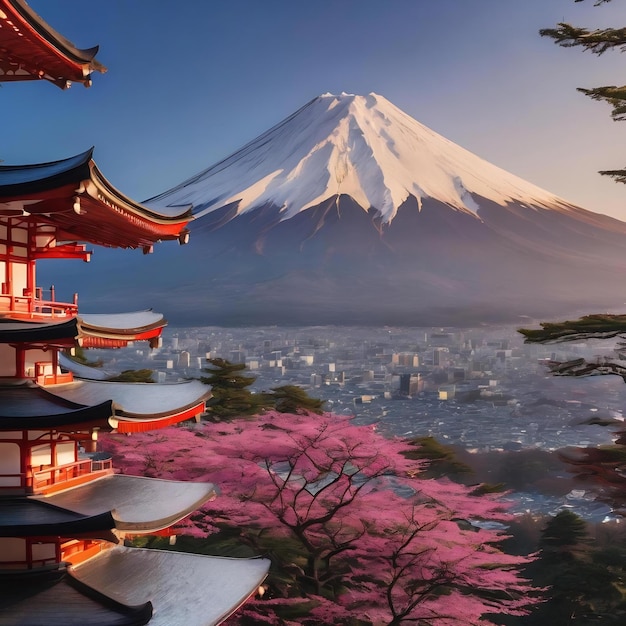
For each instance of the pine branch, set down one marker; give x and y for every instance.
(597, 41)
(582, 367)
(600, 326)
(615, 96)
(618, 175)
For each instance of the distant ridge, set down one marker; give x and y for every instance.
(350, 211)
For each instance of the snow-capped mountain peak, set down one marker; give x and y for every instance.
(360, 146)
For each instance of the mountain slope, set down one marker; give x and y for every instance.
(360, 146)
(349, 211)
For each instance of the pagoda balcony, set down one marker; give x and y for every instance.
(53, 478)
(34, 306)
(47, 373)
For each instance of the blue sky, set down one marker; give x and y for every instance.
(191, 81)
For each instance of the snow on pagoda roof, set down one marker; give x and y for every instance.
(135, 321)
(102, 330)
(26, 517)
(139, 400)
(90, 330)
(127, 407)
(33, 50)
(73, 195)
(139, 505)
(185, 589)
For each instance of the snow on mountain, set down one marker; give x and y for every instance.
(360, 146)
(350, 211)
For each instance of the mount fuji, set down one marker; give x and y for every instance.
(351, 212)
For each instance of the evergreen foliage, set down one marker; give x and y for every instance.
(293, 399)
(596, 326)
(581, 585)
(605, 465)
(443, 461)
(231, 396)
(597, 41)
(565, 530)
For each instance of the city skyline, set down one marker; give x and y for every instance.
(187, 88)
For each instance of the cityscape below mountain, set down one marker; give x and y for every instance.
(481, 390)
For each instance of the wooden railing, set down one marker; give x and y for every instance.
(31, 306)
(64, 473)
(46, 374)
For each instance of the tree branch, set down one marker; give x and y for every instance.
(597, 41)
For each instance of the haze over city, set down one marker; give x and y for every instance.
(189, 84)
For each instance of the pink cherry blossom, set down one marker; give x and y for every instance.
(373, 538)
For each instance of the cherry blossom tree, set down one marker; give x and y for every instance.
(356, 534)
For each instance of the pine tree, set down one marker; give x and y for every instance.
(231, 396)
(605, 465)
(442, 459)
(597, 41)
(293, 399)
(580, 588)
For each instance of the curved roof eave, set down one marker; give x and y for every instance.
(139, 504)
(37, 332)
(130, 323)
(20, 180)
(34, 592)
(85, 371)
(54, 39)
(166, 213)
(35, 179)
(31, 407)
(27, 517)
(140, 400)
(133, 574)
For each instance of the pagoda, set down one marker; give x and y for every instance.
(64, 511)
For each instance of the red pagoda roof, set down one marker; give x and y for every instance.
(31, 50)
(74, 196)
(103, 330)
(125, 407)
(90, 331)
